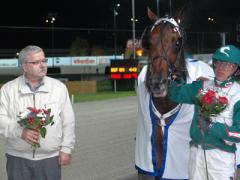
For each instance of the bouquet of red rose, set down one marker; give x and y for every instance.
(36, 119)
(211, 103)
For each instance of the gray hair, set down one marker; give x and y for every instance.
(28, 50)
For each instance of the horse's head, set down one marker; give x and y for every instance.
(164, 42)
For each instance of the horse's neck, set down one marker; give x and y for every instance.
(164, 105)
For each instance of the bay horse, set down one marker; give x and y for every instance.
(162, 133)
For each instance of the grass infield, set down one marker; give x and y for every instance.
(102, 96)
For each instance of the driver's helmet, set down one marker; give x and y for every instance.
(228, 53)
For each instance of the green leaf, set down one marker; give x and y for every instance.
(43, 132)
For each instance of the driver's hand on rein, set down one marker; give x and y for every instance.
(30, 136)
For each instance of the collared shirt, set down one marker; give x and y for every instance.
(228, 82)
(33, 89)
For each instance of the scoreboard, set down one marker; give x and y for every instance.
(123, 69)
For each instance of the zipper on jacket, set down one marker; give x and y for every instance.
(34, 104)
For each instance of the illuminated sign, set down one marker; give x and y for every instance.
(123, 69)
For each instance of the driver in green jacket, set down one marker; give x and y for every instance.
(215, 126)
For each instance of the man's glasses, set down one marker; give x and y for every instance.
(224, 64)
(44, 61)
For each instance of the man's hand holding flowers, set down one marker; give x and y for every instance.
(34, 122)
(30, 136)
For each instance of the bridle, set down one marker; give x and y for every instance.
(179, 46)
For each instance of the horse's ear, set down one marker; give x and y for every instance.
(179, 15)
(145, 35)
(153, 17)
(145, 38)
(182, 14)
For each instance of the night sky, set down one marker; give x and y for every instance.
(23, 22)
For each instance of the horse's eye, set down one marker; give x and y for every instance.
(178, 44)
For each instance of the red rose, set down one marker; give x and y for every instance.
(47, 112)
(34, 110)
(211, 93)
(207, 99)
(223, 100)
(30, 120)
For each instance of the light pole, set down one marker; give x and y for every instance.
(158, 8)
(135, 41)
(115, 13)
(51, 18)
(133, 29)
(170, 8)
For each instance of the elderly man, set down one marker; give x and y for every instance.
(35, 90)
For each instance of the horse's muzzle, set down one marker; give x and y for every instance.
(158, 87)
